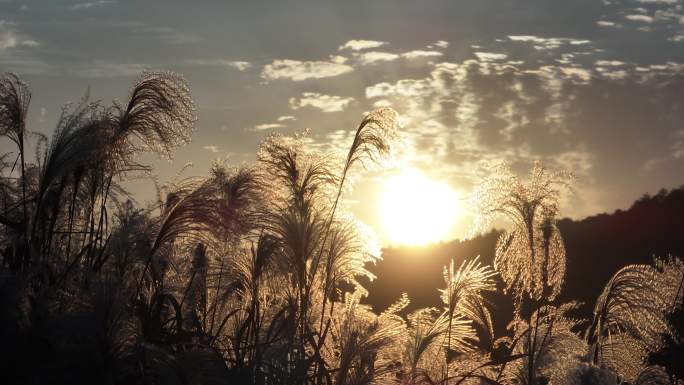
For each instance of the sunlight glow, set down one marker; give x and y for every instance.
(416, 210)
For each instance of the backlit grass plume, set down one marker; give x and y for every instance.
(15, 98)
(372, 141)
(160, 113)
(531, 256)
(630, 318)
(373, 138)
(465, 288)
(464, 298)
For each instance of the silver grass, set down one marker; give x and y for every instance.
(585, 373)
(465, 287)
(372, 141)
(463, 296)
(361, 342)
(548, 343)
(653, 375)
(160, 113)
(350, 247)
(15, 98)
(206, 209)
(531, 256)
(75, 152)
(373, 138)
(304, 178)
(426, 341)
(630, 318)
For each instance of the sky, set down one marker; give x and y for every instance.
(592, 86)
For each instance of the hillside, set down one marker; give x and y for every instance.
(596, 247)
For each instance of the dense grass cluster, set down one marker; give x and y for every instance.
(251, 275)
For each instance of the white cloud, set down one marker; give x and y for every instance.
(91, 4)
(642, 18)
(326, 103)
(541, 43)
(529, 38)
(382, 103)
(213, 149)
(420, 54)
(402, 88)
(9, 38)
(237, 64)
(338, 59)
(441, 44)
(579, 42)
(490, 56)
(266, 126)
(609, 63)
(381, 90)
(376, 56)
(657, 1)
(358, 45)
(302, 70)
(614, 75)
(575, 72)
(286, 118)
(605, 23)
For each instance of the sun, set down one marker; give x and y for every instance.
(417, 210)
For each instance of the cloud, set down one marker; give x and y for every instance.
(237, 64)
(402, 88)
(420, 54)
(213, 149)
(266, 126)
(10, 38)
(605, 23)
(542, 43)
(91, 4)
(642, 18)
(465, 115)
(376, 56)
(302, 70)
(326, 103)
(657, 1)
(286, 118)
(359, 45)
(440, 44)
(490, 56)
(609, 63)
(578, 73)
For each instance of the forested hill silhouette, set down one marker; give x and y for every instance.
(596, 247)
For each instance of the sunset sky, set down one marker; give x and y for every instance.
(587, 85)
